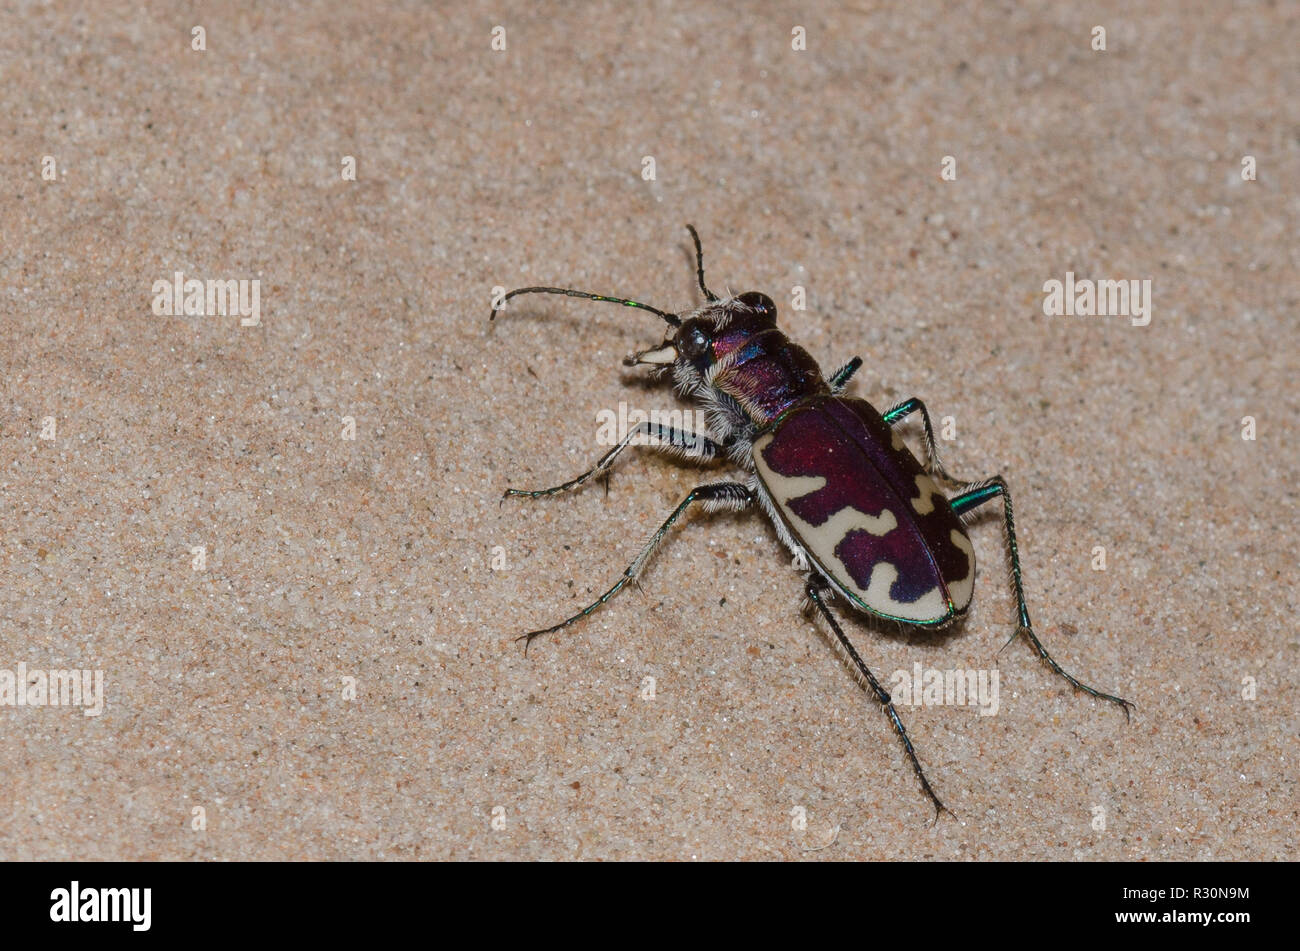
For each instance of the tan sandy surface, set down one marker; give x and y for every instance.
(371, 558)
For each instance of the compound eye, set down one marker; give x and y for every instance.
(760, 303)
(693, 341)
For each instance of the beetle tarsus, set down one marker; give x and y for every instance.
(978, 495)
(733, 492)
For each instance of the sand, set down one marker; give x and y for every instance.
(333, 675)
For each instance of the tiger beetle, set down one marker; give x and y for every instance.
(842, 490)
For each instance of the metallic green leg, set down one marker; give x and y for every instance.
(841, 377)
(905, 409)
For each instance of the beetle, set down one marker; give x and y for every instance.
(843, 491)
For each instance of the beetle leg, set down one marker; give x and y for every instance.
(841, 377)
(718, 495)
(935, 467)
(813, 591)
(691, 445)
(977, 496)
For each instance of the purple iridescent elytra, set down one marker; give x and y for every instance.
(849, 445)
(846, 489)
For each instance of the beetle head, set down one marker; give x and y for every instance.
(718, 333)
(711, 334)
